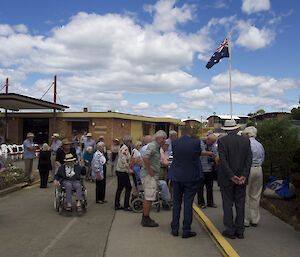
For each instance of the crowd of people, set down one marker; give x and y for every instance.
(179, 168)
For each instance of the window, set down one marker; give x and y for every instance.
(146, 129)
(80, 126)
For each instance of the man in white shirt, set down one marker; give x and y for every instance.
(255, 180)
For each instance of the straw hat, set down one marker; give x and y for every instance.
(30, 134)
(116, 140)
(69, 158)
(55, 135)
(230, 125)
(89, 134)
(66, 142)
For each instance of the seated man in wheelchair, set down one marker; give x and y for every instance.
(69, 176)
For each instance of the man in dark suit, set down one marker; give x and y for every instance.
(185, 175)
(234, 167)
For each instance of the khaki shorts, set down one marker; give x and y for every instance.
(150, 187)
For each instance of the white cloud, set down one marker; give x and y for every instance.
(267, 86)
(141, 106)
(21, 28)
(253, 6)
(252, 37)
(166, 15)
(203, 93)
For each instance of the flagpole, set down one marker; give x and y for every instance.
(230, 91)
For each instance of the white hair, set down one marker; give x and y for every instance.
(159, 134)
(127, 139)
(45, 147)
(100, 144)
(90, 147)
(172, 132)
(251, 131)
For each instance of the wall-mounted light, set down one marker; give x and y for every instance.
(122, 124)
(93, 124)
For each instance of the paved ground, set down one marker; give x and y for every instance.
(30, 227)
(129, 239)
(272, 237)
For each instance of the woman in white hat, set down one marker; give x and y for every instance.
(69, 175)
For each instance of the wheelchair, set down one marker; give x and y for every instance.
(60, 197)
(136, 200)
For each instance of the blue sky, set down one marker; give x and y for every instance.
(148, 57)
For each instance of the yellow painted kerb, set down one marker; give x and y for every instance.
(223, 245)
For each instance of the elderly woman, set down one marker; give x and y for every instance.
(77, 150)
(44, 165)
(123, 169)
(97, 172)
(69, 175)
(115, 147)
(136, 162)
(87, 159)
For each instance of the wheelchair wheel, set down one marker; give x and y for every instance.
(137, 205)
(56, 200)
(158, 208)
(61, 205)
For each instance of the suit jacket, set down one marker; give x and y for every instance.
(235, 158)
(186, 165)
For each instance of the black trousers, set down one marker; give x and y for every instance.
(99, 190)
(208, 181)
(101, 187)
(44, 178)
(234, 194)
(123, 182)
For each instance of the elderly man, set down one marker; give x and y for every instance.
(208, 163)
(63, 151)
(150, 174)
(255, 180)
(234, 167)
(56, 143)
(29, 154)
(69, 175)
(172, 136)
(89, 142)
(145, 142)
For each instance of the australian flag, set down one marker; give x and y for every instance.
(220, 53)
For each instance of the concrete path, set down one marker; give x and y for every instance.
(129, 239)
(272, 237)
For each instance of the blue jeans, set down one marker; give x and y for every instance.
(163, 187)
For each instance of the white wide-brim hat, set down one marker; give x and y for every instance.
(230, 125)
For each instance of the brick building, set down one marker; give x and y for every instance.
(68, 124)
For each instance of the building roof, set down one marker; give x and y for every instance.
(267, 114)
(184, 120)
(16, 102)
(226, 117)
(73, 116)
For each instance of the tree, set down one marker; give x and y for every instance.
(295, 114)
(260, 111)
(281, 142)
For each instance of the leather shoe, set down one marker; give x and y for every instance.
(239, 236)
(189, 234)
(212, 205)
(226, 234)
(253, 225)
(118, 208)
(174, 232)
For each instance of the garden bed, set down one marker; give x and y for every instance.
(286, 210)
(13, 175)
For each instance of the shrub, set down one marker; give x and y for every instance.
(281, 143)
